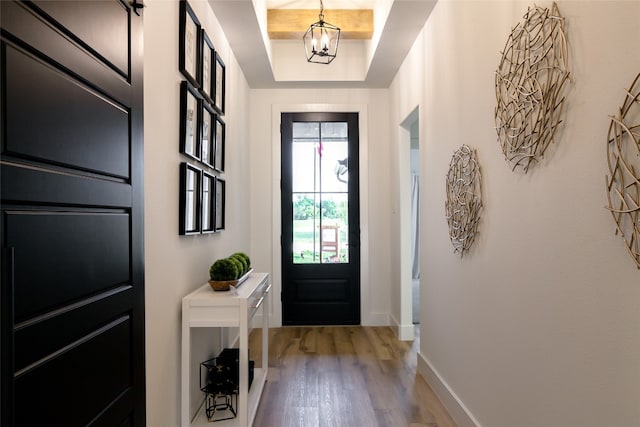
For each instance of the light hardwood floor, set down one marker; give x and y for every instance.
(344, 377)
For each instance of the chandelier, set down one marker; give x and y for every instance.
(321, 40)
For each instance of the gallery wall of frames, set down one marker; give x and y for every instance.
(202, 129)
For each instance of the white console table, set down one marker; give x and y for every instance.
(205, 308)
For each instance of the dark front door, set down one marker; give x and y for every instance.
(72, 297)
(320, 219)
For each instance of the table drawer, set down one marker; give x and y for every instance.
(257, 297)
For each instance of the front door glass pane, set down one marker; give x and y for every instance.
(320, 192)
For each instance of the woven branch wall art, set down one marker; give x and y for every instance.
(623, 181)
(464, 199)
(530, 83)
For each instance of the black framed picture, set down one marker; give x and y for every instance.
(190, 193)
(219, 137)
(208, 206)
(220, 83)
(207, 135)
(190, 106)
(207, 87)
(189, 39)
(219, 200)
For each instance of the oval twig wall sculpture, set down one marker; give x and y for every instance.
(464, 198)
(623, 181)
(529, 86)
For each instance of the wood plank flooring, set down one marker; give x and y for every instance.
(344, 377)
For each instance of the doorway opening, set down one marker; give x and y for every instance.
(409, 178)
(415, 221)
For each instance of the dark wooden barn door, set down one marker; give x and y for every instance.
(72, 295)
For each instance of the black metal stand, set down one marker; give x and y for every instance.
(217, 403)
(219, 380)
(221, 391)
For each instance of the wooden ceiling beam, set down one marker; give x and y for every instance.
(292, 23)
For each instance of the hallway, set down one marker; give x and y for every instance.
(548, 296)
(345, 376)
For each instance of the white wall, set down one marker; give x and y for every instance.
(400, 119)
(266, 104)
(540, 324)
(290, 64)
(176, 265)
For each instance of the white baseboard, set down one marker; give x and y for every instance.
(376, 319)
(403, 332)
(256, 321)
(406, 332)
(458, 411)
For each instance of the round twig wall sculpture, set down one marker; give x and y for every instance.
(623, 181)
(464, 198)
(530, 84)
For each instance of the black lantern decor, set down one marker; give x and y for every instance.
(219, 380)
(321, 40)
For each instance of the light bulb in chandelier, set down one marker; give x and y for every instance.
(324, 41)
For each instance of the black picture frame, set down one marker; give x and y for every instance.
(207, 64)
(220, 202)
(190, 199)
(208, 203)
(207, 134)
(190, 121)
(189, 41)
(220, 82)
(219, 137)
